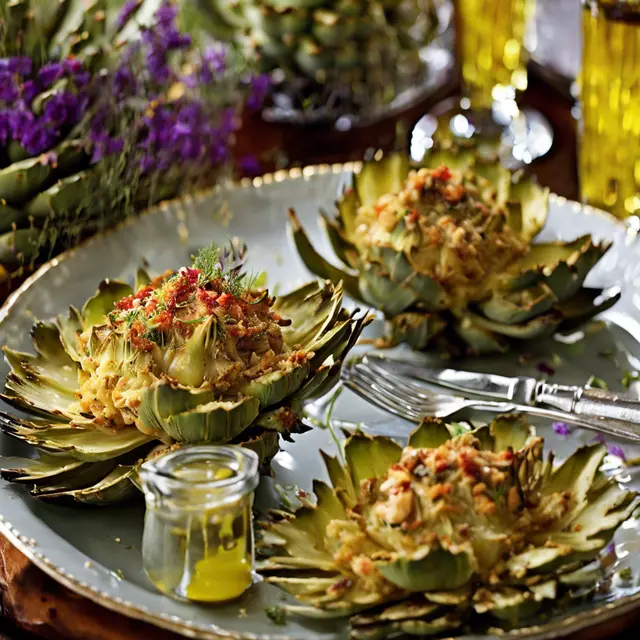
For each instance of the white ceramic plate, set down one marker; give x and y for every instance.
(78, 546)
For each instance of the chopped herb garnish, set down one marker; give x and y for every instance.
(625, 574)
(277, 615)
(629, 377)
(607, 353)
(597, 383)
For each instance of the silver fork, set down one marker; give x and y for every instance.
(413, 401)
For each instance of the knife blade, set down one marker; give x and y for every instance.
(486, 385)
(526, 391)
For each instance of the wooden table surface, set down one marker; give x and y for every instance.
(35, 606)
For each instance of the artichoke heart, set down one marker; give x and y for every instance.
(445, 250)
(461, 523)
(197, 355)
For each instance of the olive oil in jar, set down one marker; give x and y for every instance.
(490, 36)
(198, 535)
(609, 145)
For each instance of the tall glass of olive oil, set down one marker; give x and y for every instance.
(490, 37)
(609, 145)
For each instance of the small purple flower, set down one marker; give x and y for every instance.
(166, 15)
(128, 9)
(123, 82)
(547, 369)
(617, 451)
(38, 138)
(259, 87)
(82, 79)
(72, 65)
(18, 64)
(28, 91)
(60, 108)
(20, 121)
(250, 166)
(114, 145)
(214, 62)
(8, 89)
(157, 66)
(49, 74)
(561, 428)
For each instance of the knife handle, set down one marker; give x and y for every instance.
(589, 402)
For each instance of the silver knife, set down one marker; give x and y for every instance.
(522, 390)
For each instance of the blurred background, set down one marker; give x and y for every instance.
(109, 106)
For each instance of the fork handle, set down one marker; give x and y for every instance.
(607, 426)
(589, 402)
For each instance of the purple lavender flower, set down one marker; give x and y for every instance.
(20, 121)
(561, 428)
(123, 82)
(18, 64)
(214, 63)
(51, 72)
(60, 108)
(158, 67)
(166, 15)
(128, 9)
(38, 138)
(617, 451)
(8, 88)
(28, 91)
(260, 87)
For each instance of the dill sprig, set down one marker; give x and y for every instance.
(225, 266)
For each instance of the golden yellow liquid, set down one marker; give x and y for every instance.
(203, 557)
(609, 154)
(490, 35)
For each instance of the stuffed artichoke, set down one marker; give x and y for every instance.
(445, 251)
(199, 355)
(459, 525)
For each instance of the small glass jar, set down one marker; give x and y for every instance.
(198, 533)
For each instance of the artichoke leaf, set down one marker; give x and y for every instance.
(586, 304)
(437, 570)
(69, 327)
(263, 443)
(48, 343)
(528, 207)
(39, 472)
(381, 292)
(516, 307)
(43, 371)
(34, 396)
(83, 444)
(431, 433)
(538, 327)
(510, 432)
(116, 487)
(165, 399)
(96, 308)
(419, 628)
(506, 603)
(416, 328)
(479, 339)
(273, 387)
(316, 263)
(347, 206)
(368, 457)
(217, 421)
(343, 248)
(20, 180)
(376, 179)
(142, 278)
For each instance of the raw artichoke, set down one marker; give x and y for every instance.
(199, 355)
(459, 527)
(334, 54)
(446, 251)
